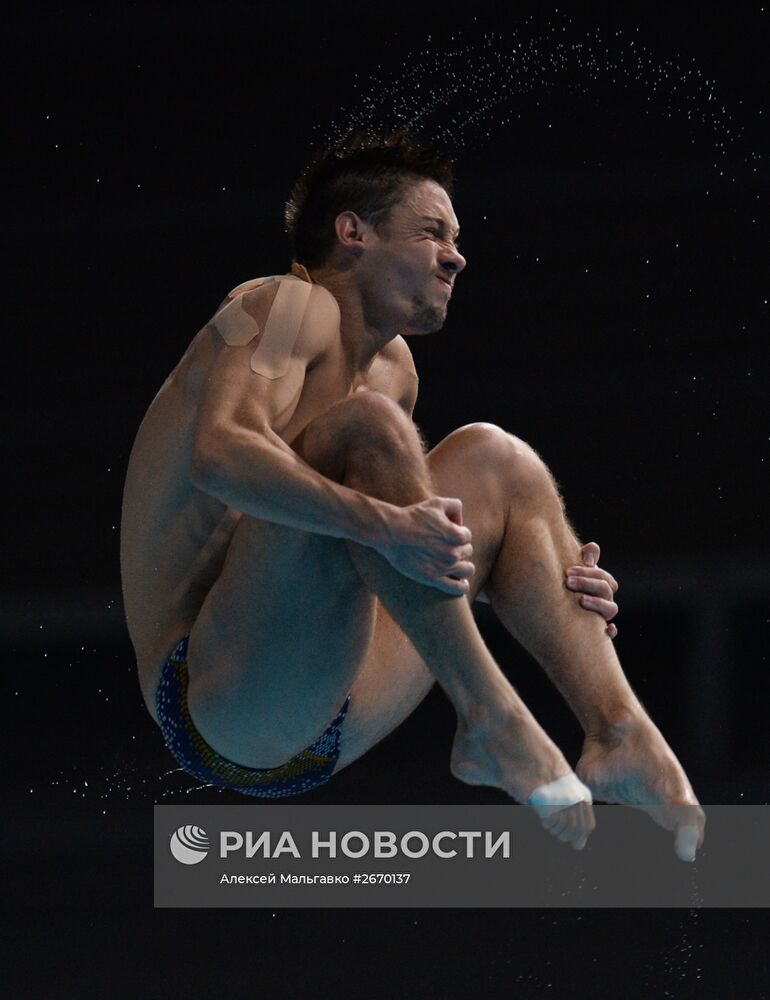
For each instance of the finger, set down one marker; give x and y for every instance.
(436, 578)
(457, 534)
(590, 585)
(595, 573)
(444, 560)
(453, 508)
(457, 588)
(612, 630)
(462, 571)
(607, 609)
(590, 553)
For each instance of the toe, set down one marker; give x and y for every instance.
(686, 842)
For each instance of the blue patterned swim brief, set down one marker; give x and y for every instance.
(306, 770)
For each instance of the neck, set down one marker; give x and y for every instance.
(363, 335)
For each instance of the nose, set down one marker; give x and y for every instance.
(452, 260)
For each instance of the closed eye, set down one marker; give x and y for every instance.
(435, 232)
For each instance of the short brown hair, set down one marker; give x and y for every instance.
(365, 174)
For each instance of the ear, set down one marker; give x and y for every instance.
(352, 232)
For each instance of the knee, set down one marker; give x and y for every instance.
(368, 408)
(363, 424)
(370, 420)
(491, 452)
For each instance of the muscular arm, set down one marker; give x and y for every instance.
(238, 458)
(248, 467)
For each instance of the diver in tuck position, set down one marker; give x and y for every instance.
(298, 572)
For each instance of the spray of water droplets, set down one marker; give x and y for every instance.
(466, 94)
(109, 786)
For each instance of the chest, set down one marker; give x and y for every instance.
(313, 391)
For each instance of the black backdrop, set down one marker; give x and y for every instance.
(614, 313)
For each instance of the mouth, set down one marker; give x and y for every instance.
(445, 281)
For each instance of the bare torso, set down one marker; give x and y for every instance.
(174, 537)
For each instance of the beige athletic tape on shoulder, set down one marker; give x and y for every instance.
(273, 353)
(250, 285)
(236, 326)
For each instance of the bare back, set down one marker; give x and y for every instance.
(175, 536)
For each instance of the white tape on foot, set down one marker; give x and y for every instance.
(559, 794)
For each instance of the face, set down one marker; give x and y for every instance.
(412, 263)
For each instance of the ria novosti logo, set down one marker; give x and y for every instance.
(189, 844)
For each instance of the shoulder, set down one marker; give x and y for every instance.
(396, 352)
(288, 299)
(244, 311)
(397, 372)
(322, 312)
(287, 315)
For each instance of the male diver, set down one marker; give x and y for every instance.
(298, 572)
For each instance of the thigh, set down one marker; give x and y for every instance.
(277, 643)
(285, 629)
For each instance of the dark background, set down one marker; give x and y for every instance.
(614, 314)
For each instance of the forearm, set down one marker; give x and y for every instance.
(260, 475)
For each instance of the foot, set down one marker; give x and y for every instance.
(630, 763)
(517, 756)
